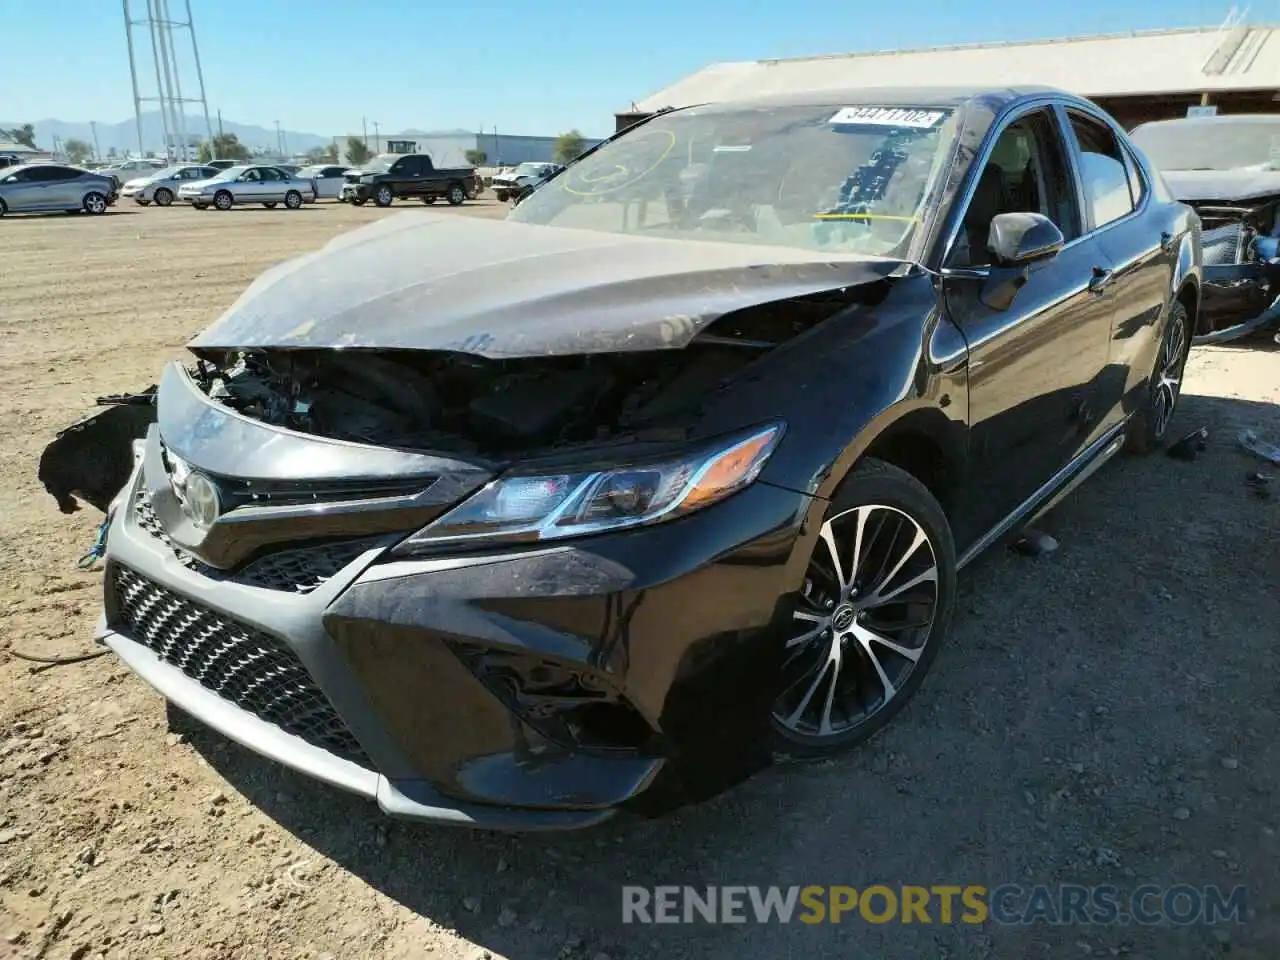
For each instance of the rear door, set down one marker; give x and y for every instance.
(1141, 249)
(59, 187)
(1033, 365)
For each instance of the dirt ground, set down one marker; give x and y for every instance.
(1103, 714)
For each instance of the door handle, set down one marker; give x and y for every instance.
(1101, 280)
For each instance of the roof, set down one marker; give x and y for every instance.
(1231, 57)
(12, 146)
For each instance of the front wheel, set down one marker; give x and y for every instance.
(383, 196)
(95, 203)
(876, 603)
(1150, 423)
(163, 197)
(293, 200)
(223, 200)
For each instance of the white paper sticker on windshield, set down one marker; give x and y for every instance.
(887, 117)
(732, 148)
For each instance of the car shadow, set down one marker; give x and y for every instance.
(52, 214)
(959, 789)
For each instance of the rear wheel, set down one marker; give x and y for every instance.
(456, 195)
(1150, 423)
(163, 197)
(383, 196)
(293, 200)
(876, 603)
(95, 203)
(223, 200)
(3, 209)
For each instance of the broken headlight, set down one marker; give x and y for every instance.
(553, 506)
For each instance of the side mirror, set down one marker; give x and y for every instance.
(1019, 239)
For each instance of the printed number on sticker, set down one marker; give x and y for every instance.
(887, 117)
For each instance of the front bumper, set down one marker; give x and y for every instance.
(137, 193)
(355, 191)
(460, 689)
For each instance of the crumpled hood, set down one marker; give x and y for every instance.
(1225, 185)
(503, 289)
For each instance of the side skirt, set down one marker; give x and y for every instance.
(1048, 496)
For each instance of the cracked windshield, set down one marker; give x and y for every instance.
(827, 178)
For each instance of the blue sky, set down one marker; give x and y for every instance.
(320, 65)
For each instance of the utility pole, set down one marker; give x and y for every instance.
(279, 142)
(158, 25)
(93, 125)
(364, 131)
(377, 141)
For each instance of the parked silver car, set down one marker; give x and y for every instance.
(162, 186)
(48, 187)
(327, 178)
(249, 183)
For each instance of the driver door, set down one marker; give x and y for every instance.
(1032, 365)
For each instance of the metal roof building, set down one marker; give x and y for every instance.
(1136, 76)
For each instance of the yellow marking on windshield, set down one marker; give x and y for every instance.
(864, 216)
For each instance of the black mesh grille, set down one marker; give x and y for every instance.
(243, 665)
(295, 570)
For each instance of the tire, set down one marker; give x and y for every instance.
(1150, 424)
(141, 202)
(163, 197)
(200, 206)
(383, 196)
(223, 200)
(270, 204)
(501, 196)
(428, 200)
(94, 203)
(359, 203)
(456, 195)
(292, 200)
(905, 532)
(3, 209)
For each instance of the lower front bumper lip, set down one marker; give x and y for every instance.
(413, 800)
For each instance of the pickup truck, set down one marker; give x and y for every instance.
(391, 175)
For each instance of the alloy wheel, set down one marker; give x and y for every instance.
(293, 200)
(222, 200)
(384, 197)
(163, 197)
(95, 203)
(862, 623)
(1168, 377)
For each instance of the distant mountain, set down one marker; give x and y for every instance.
(123, 136)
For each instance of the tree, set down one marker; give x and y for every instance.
(25, 134)
(477, 158)
(327, 154)
(358, 151)
(78, 151)
(568, 146)
(225, 146)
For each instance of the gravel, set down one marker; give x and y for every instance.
(1077, 728)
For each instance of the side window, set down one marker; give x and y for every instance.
(52, 174)
(253, 176)
(1106, 179)
(18, 176)
(400, 166)
(1137, 185)
(1025, 173)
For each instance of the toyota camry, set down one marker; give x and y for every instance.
(666, 476)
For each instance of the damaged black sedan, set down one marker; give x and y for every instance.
(670, 474)
(1227, 168)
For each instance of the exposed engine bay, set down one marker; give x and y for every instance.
(1241, 242)
(465, 404)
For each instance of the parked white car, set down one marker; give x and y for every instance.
(508, 184)
(326, 177)
(248, 183)
(162, 186)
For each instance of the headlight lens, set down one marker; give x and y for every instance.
(554, 506)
